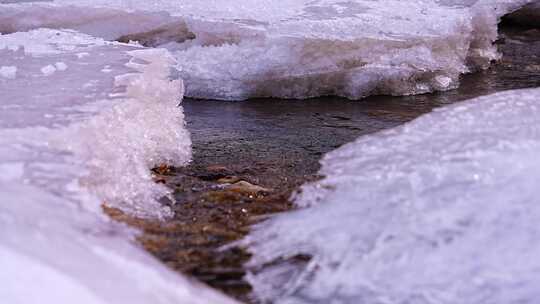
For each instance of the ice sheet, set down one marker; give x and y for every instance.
(294, 48)
(72, 138)
(441, 210)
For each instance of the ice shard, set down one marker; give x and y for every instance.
(82, 121)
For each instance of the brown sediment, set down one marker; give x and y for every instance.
(216, 206)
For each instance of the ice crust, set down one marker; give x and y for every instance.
(441, 210)
(293, 48)
(71, 141)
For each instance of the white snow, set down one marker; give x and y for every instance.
(229, 49)
(66, 148)
(9, 72)
(441, 210)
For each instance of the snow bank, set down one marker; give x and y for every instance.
(441, 210)
(70, 140)
(294, 48)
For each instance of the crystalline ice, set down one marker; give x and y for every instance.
(48, 70)
(441, 210)
(293, 48)
(71, 141)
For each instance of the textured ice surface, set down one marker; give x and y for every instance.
(117, 124)
(293, 48)
(441, 210)
(70, 140)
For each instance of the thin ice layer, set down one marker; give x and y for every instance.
(81, 123)
(441, 210)
(297, 48)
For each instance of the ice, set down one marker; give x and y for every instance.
(441, 210)
(232, 49)
(72, 141)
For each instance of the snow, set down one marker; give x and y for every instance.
(440, 210)
(66, 147)
(294, 48)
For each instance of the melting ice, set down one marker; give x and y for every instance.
(294, 48)
(441, 210)
(71, 138)
(82, 120)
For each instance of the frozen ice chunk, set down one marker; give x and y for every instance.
(58, 42)
(294, 48)
(96, 18)
(74, 105)
(441, 210)
(66, 148)
(9, 72)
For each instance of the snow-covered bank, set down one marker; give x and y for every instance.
(441, 210)
(294, 48)
(81, 122)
